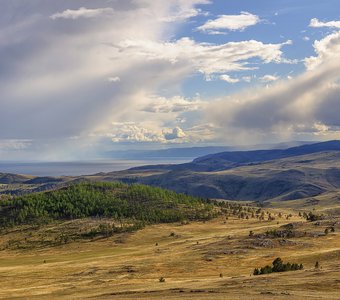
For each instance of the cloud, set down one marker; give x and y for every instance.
(206, 58)
(176, 133)
(6, 145)
(229, 79)
(303, 108)
(203, 133)
(56, 77)
(114, 79)
(229, 22)
(246, 78)
(133, 132)
(326, 49)
(184, 9)
(317, 24)
(83, 13)
(67, 71)
(174, 104)
(269, 78)
(146, 133)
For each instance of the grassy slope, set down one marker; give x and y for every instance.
(128, 266)
(326, 203)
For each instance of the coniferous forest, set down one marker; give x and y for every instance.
(110, 200)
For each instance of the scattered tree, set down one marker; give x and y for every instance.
(278, 266)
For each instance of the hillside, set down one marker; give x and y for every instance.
(282, 179)
(208, 259)
(135, 203)
(288, 174)
(232, 159)
(90, 237)
(6, 178)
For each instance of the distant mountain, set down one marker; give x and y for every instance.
(259, 175)
(226, 160)
(233, 159)
(282, 179)
(189, 152)
(6, 178)
(286, 174)
(192, 152)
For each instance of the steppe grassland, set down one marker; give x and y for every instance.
(205, 260)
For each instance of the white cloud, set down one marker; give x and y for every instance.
(114, 79)
(145, 132)
(64, 69)
(180, 10)
(176, 133)
(183, 15)
(133, 132)
(82, 13)
(229, 22)
(206, 58)
(57, 77)
(316, 23)
(149, 132)
(229, 79)
(203, 133)
(269, 78)
(246, 78)
(174, 104)
(301, 109)
(6, 145)
(326, 49)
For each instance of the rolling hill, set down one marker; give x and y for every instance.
(111, 200)
(6, 178)
(279, 174)
(87, 238)
(287, 174)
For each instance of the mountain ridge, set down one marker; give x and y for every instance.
(260, 175)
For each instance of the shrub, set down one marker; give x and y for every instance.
(278, 266)
(312, 217)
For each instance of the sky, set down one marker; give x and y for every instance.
(79, 77)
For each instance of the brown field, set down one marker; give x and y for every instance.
(203, 260)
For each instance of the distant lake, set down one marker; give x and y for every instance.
(77, 168)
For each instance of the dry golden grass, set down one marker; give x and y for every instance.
(128, 266)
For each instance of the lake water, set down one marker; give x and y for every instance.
(77, 168)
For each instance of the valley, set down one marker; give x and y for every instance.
(109, 236)
(182, 149)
